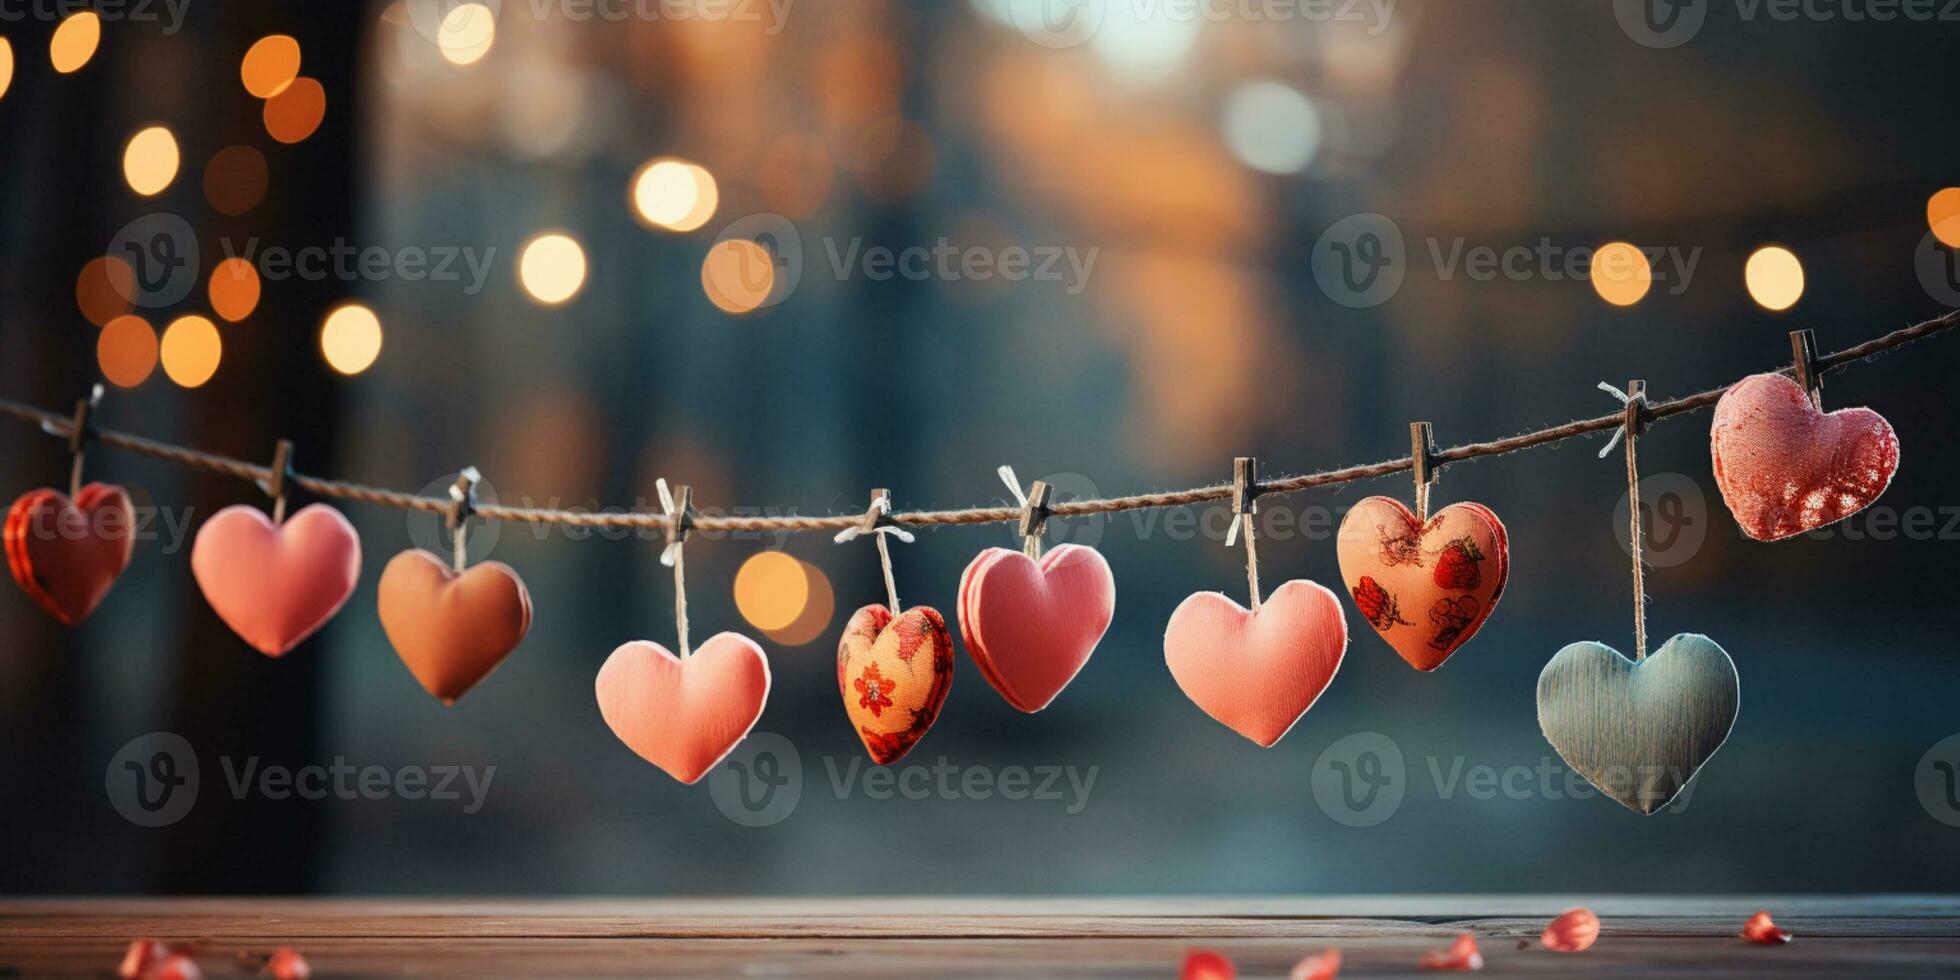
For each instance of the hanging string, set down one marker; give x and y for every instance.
(616, 517)
(680, 520)
(878, 523)
(1635, 400)
(1245, 508)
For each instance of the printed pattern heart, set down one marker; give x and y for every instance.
(684, 716)
(1258, 672)
(66, 556)
(1786, 468)
(1032, 626)
(452, 629)
(1426, 588)
(1639, 730)
(894, 674)
(274, 585)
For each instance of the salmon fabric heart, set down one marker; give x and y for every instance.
(274, 585)
(1786, 468)
(894, 674)
(1030, 626)
(66, 555)
(452, 629)
(1257, 672)
(684, 716)
(1426, 588)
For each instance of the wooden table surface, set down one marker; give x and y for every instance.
(1380, 936)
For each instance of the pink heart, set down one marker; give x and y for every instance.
(684, 716)
(1030, 627)
(1257, 672)
(274, 585)
(1786, 468)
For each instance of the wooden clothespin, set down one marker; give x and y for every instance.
(1803, 354)
(275, 482)
(1423, 465)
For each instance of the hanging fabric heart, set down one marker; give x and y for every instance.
(1426, 587)
(684, 715)
(66, 555)
(275, 584)
(1257, 670)
(894, 665)
(1639, 729)
(1785, 467)
(1030, 620)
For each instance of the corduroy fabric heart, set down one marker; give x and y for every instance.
(894, 674)
(1426, 588)
(275, 584)
(1786, 468)
(66, 555)
(1031, 626)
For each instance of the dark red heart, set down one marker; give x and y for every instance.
(67, 555)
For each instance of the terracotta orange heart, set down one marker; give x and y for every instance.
(894, 674)
(274, 585)
(1786, 468)
(66, 555)
(1426, 588)
(452, 629)
(1029, 625)
(1257, 672)
(684, 716)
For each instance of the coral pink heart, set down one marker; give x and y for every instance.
(274, 585)
(1428, 587)
(451, 628)
(66, 555)
(1257, 672)
(1029, 625)
(1786, 468)
(684, 716)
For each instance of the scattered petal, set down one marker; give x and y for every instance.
(1203, 964)
(143, 954)
(1461, 955)
(1326, 966)
(1574, 931)
(287, 964)
(1761, 929)
(176, 966)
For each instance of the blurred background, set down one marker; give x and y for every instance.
(663, 224)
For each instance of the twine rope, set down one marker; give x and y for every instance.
(59, 425)
(1634, 417)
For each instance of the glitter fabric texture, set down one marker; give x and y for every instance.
(1786, 468)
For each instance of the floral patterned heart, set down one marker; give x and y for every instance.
(684, 716)
(1425, 587)
(65, 555)
(1786, 468)
(894, 673)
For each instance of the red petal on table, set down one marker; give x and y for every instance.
(1760, 929)
(175, 967)
(1326, 966)
(1572, 932)
(143, 954)
(1203, 964)
(1461, 955)
(287, 964)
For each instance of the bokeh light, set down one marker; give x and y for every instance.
(6, 65)
(551, 267)
(813, 623)
(270, 65)
(795, 174)
(103, 289)
(126, 350)
(74, 42)
(191, 350)
(1144, 42)
(234, 289)
(738, 275)
(351, 339)
(235, 179)
(1621, 274)
(150, 160)
(468, 31)
(296, 112)
(675, 195)
(771, 590)
(1272, 127)
(1943, 216)
(1775, 278)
